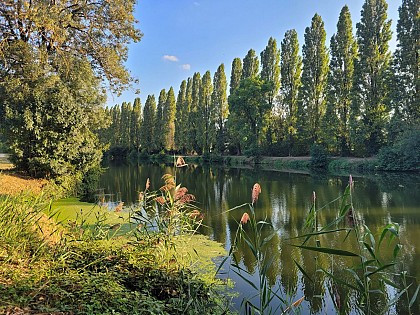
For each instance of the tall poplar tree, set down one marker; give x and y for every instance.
(125, 125)
(291, 68)
(312, 94)
(205, 113)
(371, 83)
(169, 111)
(270, 74)
(236, 74)
(181, 123)
(193, 118)
(147, 127)
(250, 65)
(135, 124)
(187, 114)
(406, 68)
(220, 106)
(270, 68)
(159, 138)
(336, 122)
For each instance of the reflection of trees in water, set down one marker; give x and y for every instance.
(285, 201)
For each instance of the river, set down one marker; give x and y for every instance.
(285, 200)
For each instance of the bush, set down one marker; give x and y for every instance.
(319, 156)
(403, 154)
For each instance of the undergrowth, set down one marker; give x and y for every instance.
(85, 267)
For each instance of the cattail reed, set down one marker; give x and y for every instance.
(245, 218)
(256, 190)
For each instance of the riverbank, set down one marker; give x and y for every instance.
(300, 163)
(69, 257)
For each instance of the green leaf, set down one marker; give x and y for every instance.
(379, 269)
(303, 271)
(331, 251)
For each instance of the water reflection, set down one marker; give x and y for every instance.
(285, 201)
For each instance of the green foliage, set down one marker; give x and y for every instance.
(221, 111)
(235, 75)
(403, 154)
(312, 94)
(249, 111)
(336, 122)
(48, 131)
(205, 115)
(291, 67)
(371, 72)
(319, 156)
(181, 118)
(89, 184)
(168, 121)
(159, 123)
(406, 65)
(251, 65)
(76, 268)
(147, 128)
(99, 32)
(194, 114)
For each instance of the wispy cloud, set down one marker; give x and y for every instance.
(186, 66)
(196, 3)
(170, 58)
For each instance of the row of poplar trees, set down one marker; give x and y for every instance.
(353, 98)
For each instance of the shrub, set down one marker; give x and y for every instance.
(402, 155)
(319, 156)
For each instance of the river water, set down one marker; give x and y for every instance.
(285, 201)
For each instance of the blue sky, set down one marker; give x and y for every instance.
(186, 36)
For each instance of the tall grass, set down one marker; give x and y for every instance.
(84, 266)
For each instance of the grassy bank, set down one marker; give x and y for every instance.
(72, 257)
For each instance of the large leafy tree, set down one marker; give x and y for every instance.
(336, 122)
(96, 30)
(312, 95)
(291, 68)
(54, 55)
(371, 89)
(249, 107)
(147, 127)
(220, 106)
(406, 68)
(47, 130)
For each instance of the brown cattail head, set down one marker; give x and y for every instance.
(256, 190)
(180, 192)
(351, 183)
(169, 182)
(119, 207)
(245, 218)
(160, 200)
(195, 214)
(147, 184)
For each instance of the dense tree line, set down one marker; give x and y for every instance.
(352, 98)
